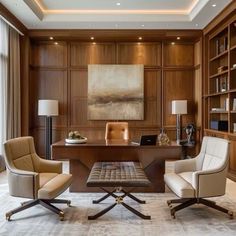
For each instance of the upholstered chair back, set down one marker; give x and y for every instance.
(117, 130)
(213, 154)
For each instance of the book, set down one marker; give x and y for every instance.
(217, 85)
(234, 104)
(223, 84)
(227, 104)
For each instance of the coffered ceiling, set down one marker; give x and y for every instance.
(115, 14)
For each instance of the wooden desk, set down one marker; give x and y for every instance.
(83, 156)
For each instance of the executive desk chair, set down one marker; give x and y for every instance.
(201, 177)
(29, 176)
(117, 130)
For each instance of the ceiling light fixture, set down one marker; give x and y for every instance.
(172, 43)
(118, 4)
(92, 38)
(56, 43)
(142, 25)
(51, 38)
(140, 38)
(213, 5)
(196, 25)
(178, 38)
(94, 43)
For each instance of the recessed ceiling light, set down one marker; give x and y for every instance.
(118, 4)
(56, 43)
(51, 38)
(173, 43)
(196, 25)
(94, 43)
(178, 38)
(92, 38)
(142, 25)
(214, 5)
(140, 38)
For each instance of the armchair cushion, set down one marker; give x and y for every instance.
(45, 177)
(54, 186)
(179, 185)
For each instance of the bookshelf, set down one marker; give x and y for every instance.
(219, 86)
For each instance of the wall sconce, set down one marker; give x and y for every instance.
(179, 107)
(48, 108)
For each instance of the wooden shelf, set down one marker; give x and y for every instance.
(233, 112)
(219, 74)
(233, 47)
(217, 131)
(216, 94)
(218, 112)
(219, 55)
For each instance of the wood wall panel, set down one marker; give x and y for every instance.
(49, 55)
(48, 84)
(178, 55)
(83, 54)
(60, 72)
(178, 85)
(148, 54)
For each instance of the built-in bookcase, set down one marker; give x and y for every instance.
(219, 86)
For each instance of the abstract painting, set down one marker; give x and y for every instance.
(115, 92)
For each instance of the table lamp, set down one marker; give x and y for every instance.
(179, 107)
(48, 108)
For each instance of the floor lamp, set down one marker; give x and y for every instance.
(179, 107)
(48, 108)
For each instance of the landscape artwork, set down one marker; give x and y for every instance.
(115, 92)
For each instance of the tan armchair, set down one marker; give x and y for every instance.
(117, 130)
(29, 176)
(201, 177)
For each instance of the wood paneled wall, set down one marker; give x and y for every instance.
(60, 72)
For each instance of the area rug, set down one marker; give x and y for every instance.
(196, 220)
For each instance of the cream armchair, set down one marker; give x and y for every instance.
(29, 176)
(201, 177)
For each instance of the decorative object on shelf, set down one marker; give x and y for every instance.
(222, 68)
(190, 129)
(223, 84)
(220, 125)
(179, 107)
(217, 109)
(48, 108)
(75, 137)
(217, 85)
(163, 139)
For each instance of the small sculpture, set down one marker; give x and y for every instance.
(190, 129)
(163, 138)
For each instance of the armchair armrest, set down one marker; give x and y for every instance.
(210, 183)
(185, 165)
(23, 183)
(49, 166)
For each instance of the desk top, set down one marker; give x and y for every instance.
(113, 143)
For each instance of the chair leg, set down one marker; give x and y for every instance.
(179, 200)
(145, 217)
(25, 206)
(60, 201)
(133, 197)
(217, 207)
(104, 211)
(49, 206)
(181, 206)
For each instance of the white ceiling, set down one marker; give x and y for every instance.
(106, 14)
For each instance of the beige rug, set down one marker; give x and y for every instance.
(197, 220)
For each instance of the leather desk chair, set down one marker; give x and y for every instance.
(201, 177)
(117, 130)
(29, 176)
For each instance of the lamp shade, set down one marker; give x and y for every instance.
(179, 107)
(48, 108)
